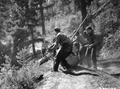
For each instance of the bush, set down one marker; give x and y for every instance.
(24, 78)
(24, 56)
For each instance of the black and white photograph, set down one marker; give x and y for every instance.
(59, 44)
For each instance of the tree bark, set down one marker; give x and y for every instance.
(32, 38)
(43, 20)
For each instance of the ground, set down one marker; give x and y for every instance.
(60, 80)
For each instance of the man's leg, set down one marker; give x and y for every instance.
(56, 64)
(82, 54)
(89, 58)
(94, 59)
(63, 53)
(58, 60)
(66, 50)
(65, 64)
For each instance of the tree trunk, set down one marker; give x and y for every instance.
(32, 38)
(43, 20)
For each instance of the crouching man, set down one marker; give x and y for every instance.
(66, 49)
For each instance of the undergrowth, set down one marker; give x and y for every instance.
(22, 78)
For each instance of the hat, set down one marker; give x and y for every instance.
(57, 29)
(89, 27)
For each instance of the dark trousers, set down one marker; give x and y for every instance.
(82, 54)
(66, 49)
(91, 53)
(94, 57)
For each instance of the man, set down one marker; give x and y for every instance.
(66, 49)
(80, 41)
(92, 45)
(76, 44)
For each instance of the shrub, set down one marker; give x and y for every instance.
(23, 78)
(24, 56)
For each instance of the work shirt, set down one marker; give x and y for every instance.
(62, 39)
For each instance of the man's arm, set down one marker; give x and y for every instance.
(56, 43)
(96, 41)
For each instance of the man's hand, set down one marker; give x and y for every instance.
(89, 45)
(51, 48)
(86, 45)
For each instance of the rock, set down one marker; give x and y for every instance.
(111, 67)
(58, 80)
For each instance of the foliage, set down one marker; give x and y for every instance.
(4, 51)
(4, 15)
(20, 38)
(24, 78)
(107, 24)
(82, 3)
(24, 56)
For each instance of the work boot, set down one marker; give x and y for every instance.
(65, 66)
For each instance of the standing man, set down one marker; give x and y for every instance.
(66, 49)
(92, 45)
